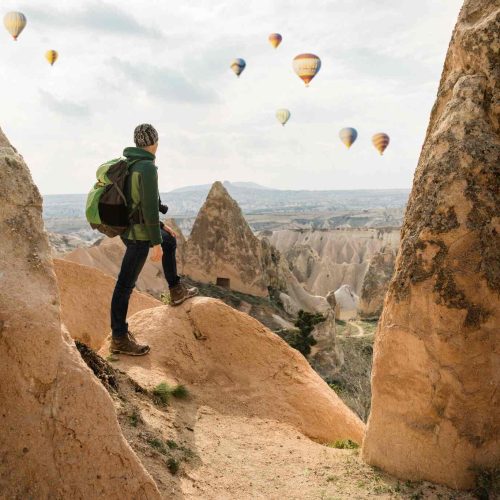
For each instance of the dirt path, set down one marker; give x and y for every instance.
(361, 330)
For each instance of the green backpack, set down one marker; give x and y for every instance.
(106, 208)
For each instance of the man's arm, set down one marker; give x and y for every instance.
(149, 204)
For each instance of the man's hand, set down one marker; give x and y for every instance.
(156, 254)
(170, 231)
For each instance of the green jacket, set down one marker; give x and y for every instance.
(142, 190)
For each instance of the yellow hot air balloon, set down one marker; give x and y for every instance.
(275, 39)
(15, 22)
(306, 66)
(51, 56)
(283, 115)
(238, 65)
(381, 141)
(348, 135)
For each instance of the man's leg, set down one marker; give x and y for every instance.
(178, 291)
(132, 264)
(168, 260)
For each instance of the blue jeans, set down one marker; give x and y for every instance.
(132, 264)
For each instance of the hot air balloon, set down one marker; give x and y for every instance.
(238, 65)
(51, 56)
(275, 39)
(15, 23)
(283, 115)
(348, 135)
(380, 141)
(306, 66)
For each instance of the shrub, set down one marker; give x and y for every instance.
(301, 338)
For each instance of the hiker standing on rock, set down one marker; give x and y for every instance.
(144, 232)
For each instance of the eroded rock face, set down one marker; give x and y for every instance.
(436, 367)
(376, 283)
(59, 434)
(222, 245)
(325, 260)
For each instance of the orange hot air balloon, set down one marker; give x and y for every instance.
(275, 39)
(51, 56)
(381, 141)
(306, 66)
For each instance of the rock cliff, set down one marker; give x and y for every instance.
(60, 437)
(436, 370)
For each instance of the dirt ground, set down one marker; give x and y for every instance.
(223, 456)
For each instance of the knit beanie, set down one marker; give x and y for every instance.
(145, 135)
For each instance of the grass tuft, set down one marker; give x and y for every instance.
(173, 465)
(180, 392)
(345, 444)
(161, 394)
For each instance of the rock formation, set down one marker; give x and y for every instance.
(326, 356)
(232, 363)
(59, 433)
(324, 260)
(436, 370)
(347, 303)
(85, 294)
(376, 283)
(222, 246)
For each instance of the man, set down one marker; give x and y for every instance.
(145, 231)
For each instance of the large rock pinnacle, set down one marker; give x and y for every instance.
(436, 370)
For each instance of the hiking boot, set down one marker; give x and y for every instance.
(128, 345)
(180, 292)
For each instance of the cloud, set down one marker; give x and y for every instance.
(62, 106)
(163, 82)
(100, 17)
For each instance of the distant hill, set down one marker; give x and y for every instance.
(206, 187)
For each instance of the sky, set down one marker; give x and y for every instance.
(166, 62)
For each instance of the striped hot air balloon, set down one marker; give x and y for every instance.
(381, 141)
(51, 56)
(275, 39)
(348, 135)
(15, 22)
(283, 115)
(238, 65)
(306, 66)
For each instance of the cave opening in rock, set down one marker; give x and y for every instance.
(223, 282)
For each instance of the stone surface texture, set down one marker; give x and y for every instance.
(59, 434)
(436, 404)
